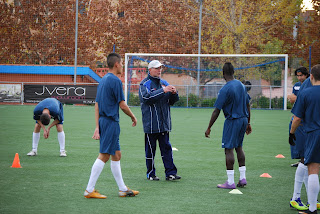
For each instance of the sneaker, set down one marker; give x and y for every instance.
(242, 183)
(32, 153)
(295, 164)
(63, 154)
(226, 186)
(153, 178)
(128, 193)
(308, 211)
(173, 177)
(298, 204)
(94, 194)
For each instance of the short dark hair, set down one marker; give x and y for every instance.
(112, 59)
(248, 85)
(228, 69)
(315, 71)
(45, 119)
(303, 70)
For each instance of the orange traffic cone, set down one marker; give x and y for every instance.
(279, 156)
(265, 175)
(16, 162)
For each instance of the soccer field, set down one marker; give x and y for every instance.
(48, 183)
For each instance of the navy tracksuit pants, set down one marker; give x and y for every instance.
(166, 153)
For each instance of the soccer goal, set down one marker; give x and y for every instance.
(198, 77)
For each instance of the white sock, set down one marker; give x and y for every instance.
(35, 140)
(62, 140)
(95, 173)
(230, 174)
(298, 181)
(306, 177)
(116, 171)
(242, 171)
(313, 191)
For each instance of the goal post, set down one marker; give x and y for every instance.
(267, 74)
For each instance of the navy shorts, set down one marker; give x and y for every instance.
(312, 147)
(297, 151)
(109, 131)
(233, 132)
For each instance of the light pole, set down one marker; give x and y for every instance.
(199, 48)
(76, 46)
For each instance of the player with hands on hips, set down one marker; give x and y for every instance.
(43, 112)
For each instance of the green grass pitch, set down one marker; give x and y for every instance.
(48, 183)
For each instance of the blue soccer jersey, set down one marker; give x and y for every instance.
(306, 84)
(307, 108)
(109, 95)
(233, 100)
(296, 88)
(54, 106)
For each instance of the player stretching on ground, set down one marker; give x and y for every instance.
(307, 109)
(108, 100)
(297, 150)
(42, 113)
(234, 101)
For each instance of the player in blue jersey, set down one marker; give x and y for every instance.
(108, 100)
(307, 108)
(42, 113)
(156, 95)
(297, 150)
(234, 101)
(302, 74)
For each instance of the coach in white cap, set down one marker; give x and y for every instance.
(156, 96)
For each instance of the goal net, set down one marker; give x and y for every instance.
(199, 78)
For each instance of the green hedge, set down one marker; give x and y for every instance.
(194, 101)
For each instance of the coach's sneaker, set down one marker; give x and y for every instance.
(153, 178)
(128, 193)
(94, 194)
(298, 204)
(63, 154)
(242, 183)
(173, 177)
(226, 186)
(32, 153)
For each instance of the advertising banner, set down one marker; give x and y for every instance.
(10, 93)
(67, 94)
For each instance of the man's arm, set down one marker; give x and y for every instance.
(214, 116)
(125, 108)
(152, 97)
(96, 134)
(295, 124)
(54, 123)
(44, 129)
(249, 129)
(292, 98)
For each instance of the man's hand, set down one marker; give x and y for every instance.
(249, 129)
(96, 134)
(292, 138)
(134, 121)
(46, 133)
(207, 133)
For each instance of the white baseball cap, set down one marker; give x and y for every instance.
(154, 64)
